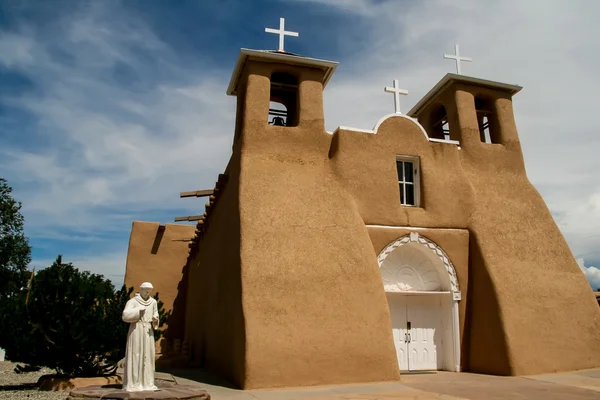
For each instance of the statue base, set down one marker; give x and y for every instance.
(165, 391)
(60, 383)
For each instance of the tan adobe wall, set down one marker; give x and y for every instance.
(157, 254)
(527, 295)
(313, 309)
(286, 286)
(215, 317)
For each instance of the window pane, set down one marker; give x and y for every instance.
(408, 171)
(400, 170)
(401, 193)
(410, 195)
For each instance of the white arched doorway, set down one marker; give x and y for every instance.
(423, 294)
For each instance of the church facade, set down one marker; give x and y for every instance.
(345, 257)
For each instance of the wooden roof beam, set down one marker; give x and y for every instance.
(190, 218)
(197, 193)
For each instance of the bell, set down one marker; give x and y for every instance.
(278, 121)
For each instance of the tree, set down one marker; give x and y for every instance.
(71, 322)
(15, 252)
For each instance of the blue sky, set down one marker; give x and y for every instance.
(108, 109)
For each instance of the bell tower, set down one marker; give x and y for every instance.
(278, 88)
(281, 313)
(277, 92)
(475, 112)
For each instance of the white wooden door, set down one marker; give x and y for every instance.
(397, 304)
(424, 318)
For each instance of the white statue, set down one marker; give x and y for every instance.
(142, 313)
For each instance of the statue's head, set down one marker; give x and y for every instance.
(145, 289)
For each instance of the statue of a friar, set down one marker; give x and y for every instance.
(142, 314)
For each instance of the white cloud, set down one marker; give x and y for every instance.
(113, 147)
(15, 49)
(591, 273)
(118, 150)
(549, 48)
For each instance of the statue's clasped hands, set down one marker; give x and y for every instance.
(154, 319)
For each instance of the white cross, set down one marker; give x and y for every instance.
(281, 32)
(397, 92)
(458, 58)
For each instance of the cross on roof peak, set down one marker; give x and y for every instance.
(456, 56)
(281, 32)
(397, 92)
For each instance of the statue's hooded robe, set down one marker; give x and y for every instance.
(140, 350)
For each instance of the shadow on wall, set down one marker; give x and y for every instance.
(207, 314)
(157, 239)
(484, 346)
(219, 331)
(176, 322)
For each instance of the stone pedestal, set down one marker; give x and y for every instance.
(60, 383)
(114, 392)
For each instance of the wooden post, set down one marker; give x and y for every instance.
(196, 193)
(29, 285)
(190, 218)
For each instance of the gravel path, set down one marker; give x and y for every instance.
(22, 386)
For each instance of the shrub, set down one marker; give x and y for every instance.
(69, 321)
(15, 252)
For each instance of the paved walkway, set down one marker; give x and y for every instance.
(581, 385)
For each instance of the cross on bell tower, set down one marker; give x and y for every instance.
(456, 56)
(282, 33)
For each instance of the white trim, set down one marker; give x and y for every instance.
(413, 228)
(420, 292)
(348, 128)
(414, 237)
(431, 246)
(456, 334)
(449, 141)
(383, 119)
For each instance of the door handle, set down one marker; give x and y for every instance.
(405, 337)
(409, 339)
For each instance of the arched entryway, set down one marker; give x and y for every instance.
(423, 294)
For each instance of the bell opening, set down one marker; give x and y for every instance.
(283, 106)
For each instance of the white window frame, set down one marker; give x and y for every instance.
(416, 179)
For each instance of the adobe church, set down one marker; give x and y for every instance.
(347, 257)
